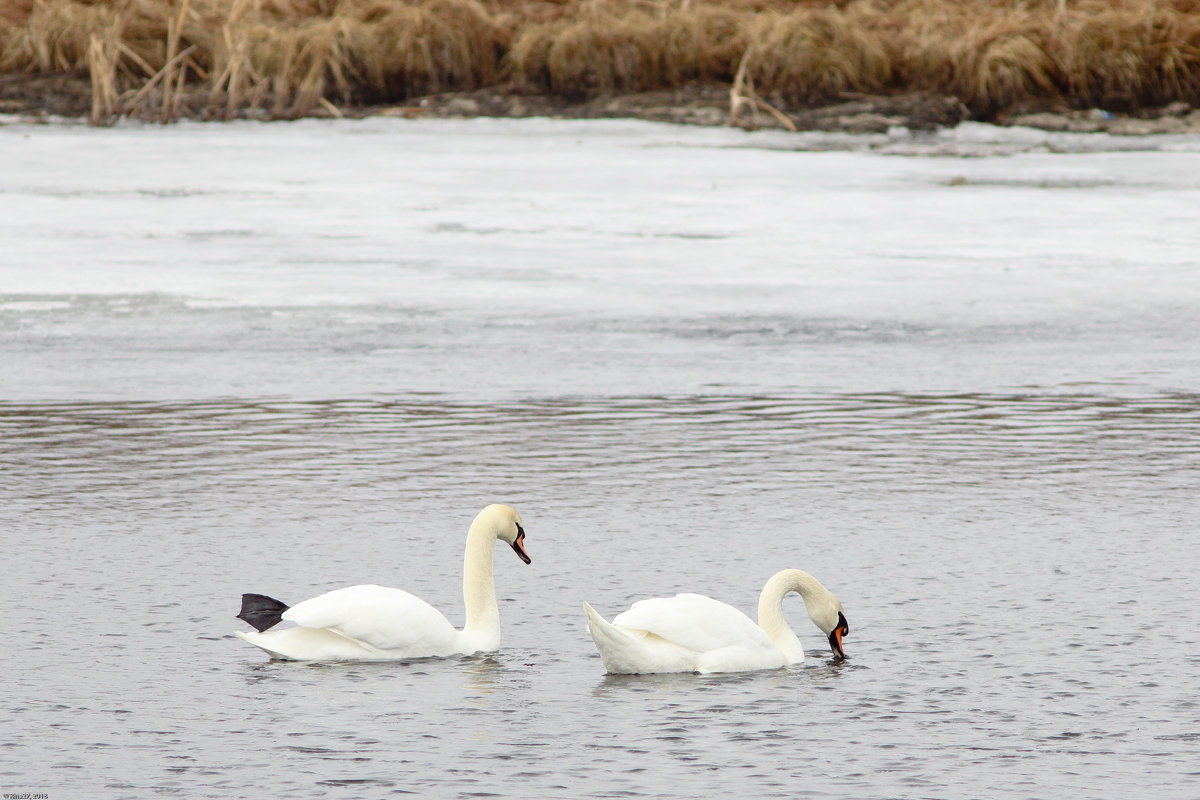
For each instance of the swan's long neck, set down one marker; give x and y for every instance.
(479, 588)
(770, 608)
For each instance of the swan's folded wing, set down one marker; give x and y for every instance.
(694, 621)
(379, 617)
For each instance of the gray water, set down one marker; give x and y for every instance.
(973, 416)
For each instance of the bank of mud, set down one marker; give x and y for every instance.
(710, 104)
(62, 96)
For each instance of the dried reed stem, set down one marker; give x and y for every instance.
(742, 94)
(174, 33)
(103, 69)
(132, 55)
(133, 106)
(331, 108)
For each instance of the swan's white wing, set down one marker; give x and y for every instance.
(380, 618)
(694, 621)
(627, 651)
(309, 644)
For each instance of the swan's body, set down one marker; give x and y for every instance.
(376, 623)
(695, 633)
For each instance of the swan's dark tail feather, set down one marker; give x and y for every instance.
(261, 611)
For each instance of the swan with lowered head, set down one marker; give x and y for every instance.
(695, 633)
(376, 623)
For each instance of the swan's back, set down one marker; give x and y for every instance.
(381, 618)
(694, 621)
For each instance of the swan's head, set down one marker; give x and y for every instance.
(823, 607)
(835, 636)
(827, 612)
(506, 522)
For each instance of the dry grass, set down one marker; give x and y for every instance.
(990, 60)
(813, 55)
(1128, 57)
(629, 48)
(1122, 54)
(161, 59)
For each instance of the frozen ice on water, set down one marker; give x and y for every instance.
(574, 236)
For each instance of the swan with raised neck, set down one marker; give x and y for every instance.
(494, 522)
(377, 623)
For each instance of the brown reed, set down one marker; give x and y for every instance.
(993, 62)
(1126, 57)
(162, 59)
(813, 55)
(620, 49)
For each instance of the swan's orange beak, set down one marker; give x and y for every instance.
(519, 545)
(835, 637)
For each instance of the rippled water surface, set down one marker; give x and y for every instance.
(961, 391)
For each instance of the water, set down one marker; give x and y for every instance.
(955, 378)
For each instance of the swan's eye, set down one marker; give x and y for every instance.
(520, 531)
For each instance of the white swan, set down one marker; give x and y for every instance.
(375, 623)
(694, 633)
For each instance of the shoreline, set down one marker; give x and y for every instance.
(33, 99)
(710, 105)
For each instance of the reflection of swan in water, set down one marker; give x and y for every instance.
(694, 633)
(484, 675)
(376, 623)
